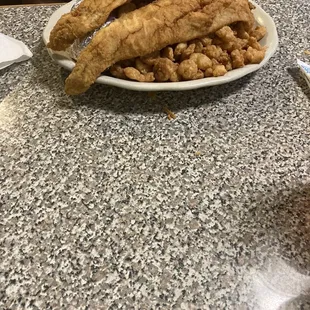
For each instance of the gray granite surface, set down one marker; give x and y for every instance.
(106, 204)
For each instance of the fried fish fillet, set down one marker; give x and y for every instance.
(88, 16)
(151, 28)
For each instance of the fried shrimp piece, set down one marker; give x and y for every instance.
(199, 75)
(88, 16)
(175, 77)
(228, 66)
(198, 45)
(219, 70)
(179, 49)
(226, 34)
(142, 66)
(215, 62)
(163, 69)
(188, 69)
(166, 22)
(253, 43)
(202, 61)
(168, 53)
(224, 58)
(118, 71)
(206, 41)
(253, 56)
(150, 59)
(213, 51)
(134, 74)
(237, 59)
(189, 51)
(259, 32)
(229, 40)
(209, 72)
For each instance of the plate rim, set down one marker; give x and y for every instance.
(68, 64)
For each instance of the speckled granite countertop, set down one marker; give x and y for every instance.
(106, 204)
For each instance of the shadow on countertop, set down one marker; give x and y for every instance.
(284, 220)
(293, 226)
(122, 101)
(126, 101)
(300, 81)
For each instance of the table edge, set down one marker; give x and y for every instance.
(29, 5)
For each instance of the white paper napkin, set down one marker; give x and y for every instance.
(305, 70)
(11, 51)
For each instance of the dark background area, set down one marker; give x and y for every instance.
(16, 2)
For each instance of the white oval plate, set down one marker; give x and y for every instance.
(270, 40)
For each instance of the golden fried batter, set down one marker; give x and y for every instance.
(151, 28)
(88, 16)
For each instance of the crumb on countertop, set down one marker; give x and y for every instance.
(170, 114)
(152, 95)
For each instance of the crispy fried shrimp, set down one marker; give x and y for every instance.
(237, 59)
(202, 61)
(198, 45)
(175, 77)
(206, 41)
(134, 74)
(163, 69)
(213, 51)
(228, 66)
(151, 59)
(226, 34)
(118, 72)
(186, 53)
(199, 75)
(209, 72)
(259, 32)
(143, 67)
(253, 56)
(229, 40)
(219, 70)
(188, 69)
(253, 43)
(179, 49)
(168, 53)
(224, 58)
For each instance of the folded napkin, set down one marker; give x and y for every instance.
(12, 51)
(305, 70)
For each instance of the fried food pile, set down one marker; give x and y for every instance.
(231, 47)
(165, 40)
